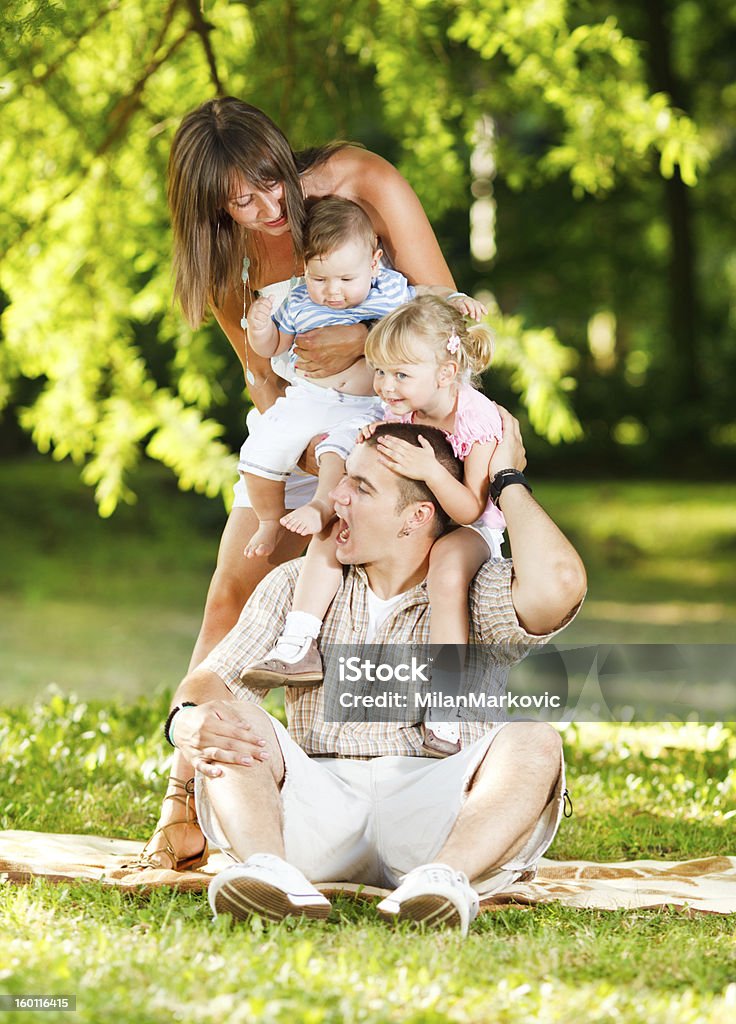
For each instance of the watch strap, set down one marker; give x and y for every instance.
(503, 478)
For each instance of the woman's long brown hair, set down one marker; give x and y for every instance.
(216, 145)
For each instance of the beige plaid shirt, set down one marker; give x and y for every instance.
(493, 622)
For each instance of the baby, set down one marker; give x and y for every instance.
(344, 283)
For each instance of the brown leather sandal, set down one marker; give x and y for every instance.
(178, 863)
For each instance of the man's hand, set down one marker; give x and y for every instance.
(509, 452)
(408, 459)
(327, 350)
(216, 733)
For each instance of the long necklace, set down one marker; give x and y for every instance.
(247, 291)
(247, 301)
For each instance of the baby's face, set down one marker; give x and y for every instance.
(342, 278)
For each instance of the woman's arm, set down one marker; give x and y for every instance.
(406, 235)
(395, 212)
(266, 385)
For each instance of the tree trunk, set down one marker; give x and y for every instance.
(684, 378)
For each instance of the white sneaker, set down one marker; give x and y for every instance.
(434, 895)
(265, 885)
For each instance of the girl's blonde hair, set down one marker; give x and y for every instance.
(436, 323)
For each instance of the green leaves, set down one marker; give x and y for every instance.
(90, 100)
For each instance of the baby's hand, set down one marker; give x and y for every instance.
(259, 314)
(469, 306)
(368, 431)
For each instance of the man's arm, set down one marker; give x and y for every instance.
(219, 730)
(549, 576)
(216, 731)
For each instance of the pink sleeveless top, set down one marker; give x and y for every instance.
(477, 421)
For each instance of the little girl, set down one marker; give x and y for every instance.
(424, 356)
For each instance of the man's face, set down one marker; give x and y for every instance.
(365, 501)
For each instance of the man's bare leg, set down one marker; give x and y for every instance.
(246, 800)
(511, 788)
(177, 829)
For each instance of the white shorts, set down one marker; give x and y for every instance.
(278, 436)
(372, 821)
(493, 538)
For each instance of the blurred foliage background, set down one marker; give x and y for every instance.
(574, 157)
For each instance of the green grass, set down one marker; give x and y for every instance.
(112, 607)
(101, 607)
(109, 610)
(661, 559)
(657, 791)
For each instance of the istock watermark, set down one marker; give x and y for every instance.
(484, 683)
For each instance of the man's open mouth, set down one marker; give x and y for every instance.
(344, 535)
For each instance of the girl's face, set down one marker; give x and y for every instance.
(409, 387)
(259, 209)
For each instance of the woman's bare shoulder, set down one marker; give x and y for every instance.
(357, 172)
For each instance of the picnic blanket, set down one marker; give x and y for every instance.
(707, 885)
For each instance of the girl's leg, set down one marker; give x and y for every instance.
(235, 578)
(295, 658)
(319, 576)
(267, 497)
(453, 562)
(320, 511)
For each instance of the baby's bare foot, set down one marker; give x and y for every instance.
(311, 518)
(264, 540)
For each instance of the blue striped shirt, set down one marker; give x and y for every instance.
(298, 313)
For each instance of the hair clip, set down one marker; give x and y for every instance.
(453, 343)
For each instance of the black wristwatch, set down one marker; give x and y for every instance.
(503, 478)
(175, 711)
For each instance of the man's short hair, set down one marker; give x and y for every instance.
(332, 222)
(417, 490)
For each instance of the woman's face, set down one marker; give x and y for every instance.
(259, 209)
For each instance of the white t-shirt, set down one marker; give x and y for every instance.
(378, 611)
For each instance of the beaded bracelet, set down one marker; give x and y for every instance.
(175, 711)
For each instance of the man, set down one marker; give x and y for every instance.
(358, 801)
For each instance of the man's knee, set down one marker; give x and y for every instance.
(535, 747)
(261, 724)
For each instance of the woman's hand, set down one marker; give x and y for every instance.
(216, 733)
(327, 350)
(308, 460)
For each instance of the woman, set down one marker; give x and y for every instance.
(237, 190)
